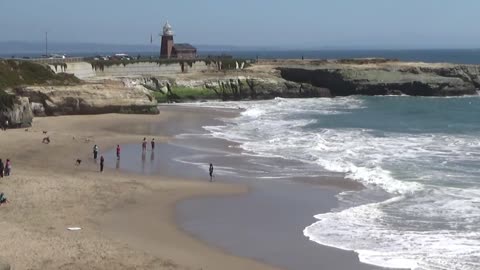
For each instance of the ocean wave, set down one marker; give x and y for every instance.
(411, 240)
(428, 165)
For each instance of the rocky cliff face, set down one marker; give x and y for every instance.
(416, 79)
(19, 115)
(326, 78)
(238, 88)
(91, 98)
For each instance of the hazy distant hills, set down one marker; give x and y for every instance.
(19, 48)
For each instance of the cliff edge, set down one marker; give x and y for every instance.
(28, 89)
(89, 98)
(268, 79)
(381, 77)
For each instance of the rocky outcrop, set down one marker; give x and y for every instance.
(240, 88)
(389, 78)
(326, 78)
(91, 98)
(19, 115)
(237, 87)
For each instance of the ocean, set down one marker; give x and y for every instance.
(459, 56)
(418, 157)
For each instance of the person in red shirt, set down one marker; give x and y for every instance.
(118, 151)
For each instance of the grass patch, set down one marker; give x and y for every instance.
(16, 73)
(183, 94)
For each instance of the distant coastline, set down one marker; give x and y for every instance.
(36, 49)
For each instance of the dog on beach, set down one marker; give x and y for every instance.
(44, 132)
(78, 162)
(46, 140)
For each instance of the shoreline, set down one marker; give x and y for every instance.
(127, 219)
(329, 187)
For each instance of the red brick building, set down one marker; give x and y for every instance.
(169, 49)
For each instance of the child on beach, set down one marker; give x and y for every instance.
(102, 160)
(3, 199)
(118, 151)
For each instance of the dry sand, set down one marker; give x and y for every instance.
(48, 193)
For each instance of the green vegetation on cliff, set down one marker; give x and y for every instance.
(16, 73)
(185, 94)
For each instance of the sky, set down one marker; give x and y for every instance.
(315, 24)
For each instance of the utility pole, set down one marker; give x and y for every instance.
(46, 44)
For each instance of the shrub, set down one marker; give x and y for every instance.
(183, 94)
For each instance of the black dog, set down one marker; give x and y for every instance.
(78, 162)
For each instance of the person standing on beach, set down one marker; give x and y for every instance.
(95, 151)
(8, 167)
(144, 144)
(102, 160)
(118, 151)
(153, 144)
(2, 168)
(210, 170)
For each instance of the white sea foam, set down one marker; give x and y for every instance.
(401, 243)
(431, 220)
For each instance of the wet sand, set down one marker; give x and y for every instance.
(264, 224)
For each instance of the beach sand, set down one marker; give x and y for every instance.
(48, 193)
(128, 220)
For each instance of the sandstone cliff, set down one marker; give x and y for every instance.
(231, 87)
(19, 114)
(89, 98)
(237, 88)
(322, 78)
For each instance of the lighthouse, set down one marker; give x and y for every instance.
(167, 41)
(169, 49)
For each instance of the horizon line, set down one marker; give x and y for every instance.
(267, 47)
